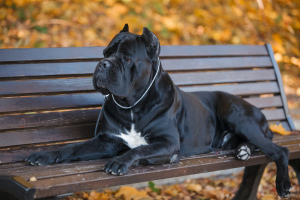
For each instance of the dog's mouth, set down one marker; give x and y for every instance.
(99, 86)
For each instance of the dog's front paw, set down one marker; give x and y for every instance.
(45, 158)
(243, 152)
(283, 186)
(117, 166)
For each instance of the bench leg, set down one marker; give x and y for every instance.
(250, 182)
(295, 164)
(16, 188)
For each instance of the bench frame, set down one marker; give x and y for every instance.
(38, 114)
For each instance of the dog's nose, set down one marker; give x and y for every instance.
(104, 64)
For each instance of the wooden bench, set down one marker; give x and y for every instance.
(47, 100)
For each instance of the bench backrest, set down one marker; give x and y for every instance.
(47, 97)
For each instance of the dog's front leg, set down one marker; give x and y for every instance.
(95, 148)
(159, 152)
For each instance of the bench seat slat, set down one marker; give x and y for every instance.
(23, 121)
(82, 167)
(215, 63)
(265, 102)
(19, 104)
(47, 69)
(85, 84)
(9, 122)
(72, 53)
(239, 76)
(87, 68)
(66, 118)
(46, 86)
(20, 154)
(69, 101)
(274, 114)
(100, 179)
(238, 89)
(42, 135)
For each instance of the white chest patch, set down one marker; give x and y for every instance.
(133, 138)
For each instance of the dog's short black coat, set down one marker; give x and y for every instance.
(166, 123)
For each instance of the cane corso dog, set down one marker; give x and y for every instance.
(151, 121)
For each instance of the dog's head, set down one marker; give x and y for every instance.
(128, 63)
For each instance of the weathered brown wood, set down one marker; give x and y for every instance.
(100, 179)
(274, 114)
(266, 102)
(194, 78)
(47, 69)
(238, 89)
(213, 50)
(88, 53)
(27, 104)
(43, 70)
(20, 153)
(23, 104)
(85, 84)
(46, 86)
(22, 121)
(215, 63)
(42, 135)
(35, 54)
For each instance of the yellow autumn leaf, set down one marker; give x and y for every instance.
(194, 187)
(130, 193)
(279, 129)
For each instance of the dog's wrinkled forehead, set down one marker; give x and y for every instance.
(127, 42)
(122, 41)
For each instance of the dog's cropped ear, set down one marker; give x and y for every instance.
(125, 29)
(153, 47)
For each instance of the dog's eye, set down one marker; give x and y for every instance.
(126, 59)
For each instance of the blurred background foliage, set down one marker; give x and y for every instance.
(66, 23)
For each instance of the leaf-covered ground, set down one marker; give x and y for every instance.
(66, 23)
(204, 188)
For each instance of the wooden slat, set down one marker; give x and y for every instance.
(274, 114)
(39, 54)
(87, 68)
(266, 102)
(99, 179)
(51, 134)
(47, 69)
(85, 84)
(194, 78)
(238, 89)
(90, 53)
(22, 104)
(215, 63)
(26, 104)
(46, 86)
(83, 167)
(11, 155)
(213, 50)
(48, 119)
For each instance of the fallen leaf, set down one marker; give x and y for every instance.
(278, 128)
(130, 193)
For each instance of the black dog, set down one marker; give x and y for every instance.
(154, 122)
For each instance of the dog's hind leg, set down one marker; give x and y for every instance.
(295, 164)
(280, 155)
